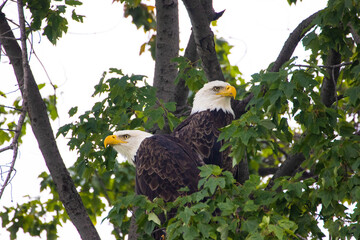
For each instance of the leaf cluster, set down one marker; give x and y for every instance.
(53, 13)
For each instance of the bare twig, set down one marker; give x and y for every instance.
(3, 5)
(6, 129)
(14, 146)
(6, 148)
(325, 66)
(14, 108)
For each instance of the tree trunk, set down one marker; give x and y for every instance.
(167, 48)
(44, 135)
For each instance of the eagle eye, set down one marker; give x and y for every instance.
(126, 136)
(216, 89)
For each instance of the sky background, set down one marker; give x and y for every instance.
(256, 28)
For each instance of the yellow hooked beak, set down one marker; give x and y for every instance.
(112, 140)
(229, 91)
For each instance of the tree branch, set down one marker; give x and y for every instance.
(355, 35)
(293, 40)
(287, 168)
(14, 147)
(204, 39)
(328, 88)
(181, 91)
(44, 135)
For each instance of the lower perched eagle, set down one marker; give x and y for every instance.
(164, 164)
(211, 110)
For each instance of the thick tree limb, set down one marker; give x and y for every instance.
(292, 163)
(287, 168)
(328, 88)
(204, 39)
(286, 52)
(293, 40)
(42, 130)
(181, 91)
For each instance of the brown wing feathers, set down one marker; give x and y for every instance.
(163, 166)
(201, 131)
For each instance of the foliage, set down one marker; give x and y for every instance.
(10, 115)
(285, 117)
(53, 13)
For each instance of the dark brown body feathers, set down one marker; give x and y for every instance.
(164, 165)
(201, 131)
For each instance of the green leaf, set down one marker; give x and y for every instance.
(227, 207)
(205, 229)
(354, 94)
(224, 231)
(153, 217)
(250, 206)
(73, 111)
(41, 85)
(326, 197)
(73, 2)
(86, 148)
(296, 188)
(287, 224)
(267, 124)
(190, 232)
(249, 225)
(255, 236)
(62, 130)
(279, 232)
(171, 106)
(186, 215)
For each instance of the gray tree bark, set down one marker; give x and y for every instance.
(44, 135)
(204, 39)
(167, 48)
(328, 88)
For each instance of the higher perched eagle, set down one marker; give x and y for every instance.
(211, 110)
(164, 164)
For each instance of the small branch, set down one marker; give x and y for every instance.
(17, 109)
(6, 129)
(301, 237)
(6, 148)
(267, 171)
(3, 5)
(354, 34)
(8, 177)
(325, 66)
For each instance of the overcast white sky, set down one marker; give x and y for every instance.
(256, 28)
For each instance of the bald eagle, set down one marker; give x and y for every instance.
(164, 164)
(211, 110)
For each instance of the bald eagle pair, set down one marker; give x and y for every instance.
(166, 163)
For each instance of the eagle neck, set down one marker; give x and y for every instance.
(217, 104)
